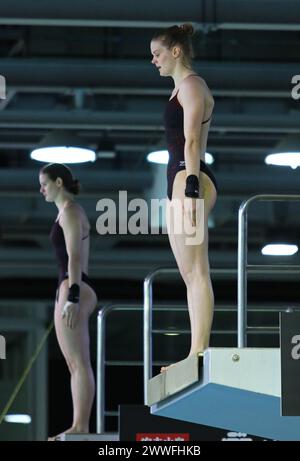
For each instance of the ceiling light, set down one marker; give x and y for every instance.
(286, 153)
(209, 160)
(291, 159)
(162, 157)
(158, 156)
(19, 419)
(62, 147)
(279, 249)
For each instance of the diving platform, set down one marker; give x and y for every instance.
(238, 389)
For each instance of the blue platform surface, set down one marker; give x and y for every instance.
(252, 405)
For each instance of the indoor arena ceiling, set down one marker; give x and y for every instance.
(86, 67)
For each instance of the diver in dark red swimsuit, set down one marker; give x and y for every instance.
(58, 240)
(173, 118)
(76, 299)
(190, 181)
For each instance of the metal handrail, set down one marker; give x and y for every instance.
(101, 339)
(100, 387)
(100, 373)
(242, 259)
(148, 303)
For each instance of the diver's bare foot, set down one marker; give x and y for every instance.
(163, 369)
(72, 430)
(167, 367)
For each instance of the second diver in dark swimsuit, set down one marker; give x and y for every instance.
(58, 240)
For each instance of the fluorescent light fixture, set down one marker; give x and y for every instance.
(158, 156)
(18, 419)
(63, 147)
(63, 154)
(162, 157)
(291, 159)
(279, 249)
(286, 153)
(209, 158)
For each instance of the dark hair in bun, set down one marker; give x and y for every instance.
(177, 35)
(187, 28)
(59, 170)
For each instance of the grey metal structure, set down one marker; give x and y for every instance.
(101, 361)
(148, 305)
(148, 308)
(244, 268)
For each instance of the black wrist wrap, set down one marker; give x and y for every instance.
(192, 186)
(74, 292)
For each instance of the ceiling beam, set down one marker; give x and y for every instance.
(248, 15)
(141, 121)
(140, 75)
(145, 92)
